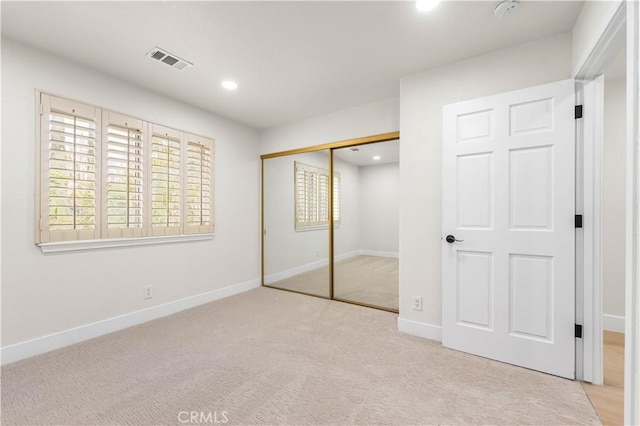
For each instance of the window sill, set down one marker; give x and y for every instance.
(71, 246)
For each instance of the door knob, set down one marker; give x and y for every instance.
(451, 239)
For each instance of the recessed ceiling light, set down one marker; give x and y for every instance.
(229, 85)
(427, 5)
(376, 157)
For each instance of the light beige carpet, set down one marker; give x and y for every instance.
(365, 279)
(275, 357)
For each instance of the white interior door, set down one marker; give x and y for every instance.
(509, 197)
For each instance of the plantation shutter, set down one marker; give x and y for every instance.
(166, 181)
(199, 189)
(301, 195)
(323, 196)
(312, 199)
(312, 196)
(105, 175)
(69, 170)
(124, 174)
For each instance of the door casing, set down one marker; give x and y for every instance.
(625, 16)
(589, 182)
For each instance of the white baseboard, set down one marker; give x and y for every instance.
(420, 329)
(613, 323)
(347, 255)
(40, 345)
(278, 276)
(378, 253)
(288, 273)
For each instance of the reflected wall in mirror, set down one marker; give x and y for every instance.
(296, 231)
(366, 241)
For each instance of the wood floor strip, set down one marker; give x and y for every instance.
(608, 400)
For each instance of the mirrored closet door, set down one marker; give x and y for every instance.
(330, 221)
(296, 223)
(366, 236)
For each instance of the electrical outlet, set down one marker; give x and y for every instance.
(147, 292)
(317, 253)
(417, 303)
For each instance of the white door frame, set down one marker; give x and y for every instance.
(589, 182)
(632, 284)
(603, 51)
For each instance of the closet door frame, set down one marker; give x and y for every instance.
(384, 137)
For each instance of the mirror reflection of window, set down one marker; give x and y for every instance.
(296, 218)
(296, 191)
(312, 196)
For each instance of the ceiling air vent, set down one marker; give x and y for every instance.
(168, 58)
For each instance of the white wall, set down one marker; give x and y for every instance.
(593, 18)
(48, 294)
(346, 235)
(422, 98)
(366, 120)
(614, 196)
(379, 208)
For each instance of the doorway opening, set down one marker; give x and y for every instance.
(608, 399)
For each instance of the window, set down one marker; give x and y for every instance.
(336, 198)
(312, 196)
(166, 181)
(124, 150)
(104, 175)
(199, 184)
(69, 158)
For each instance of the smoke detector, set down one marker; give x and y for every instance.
(505, 8)
(168, 58)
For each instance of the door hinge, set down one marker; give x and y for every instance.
(579, 331)
(578, 221)
(41, 109)
(578, 111)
